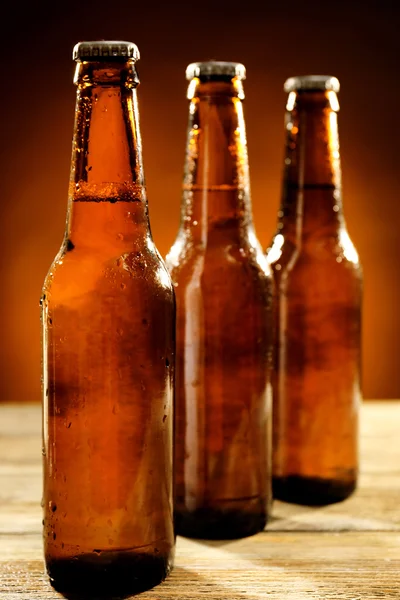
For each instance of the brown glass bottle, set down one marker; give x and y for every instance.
(224, 322)
(108, 323)
(318, 283)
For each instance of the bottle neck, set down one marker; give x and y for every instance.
(107, 198)
(312, 191)
(216, 188)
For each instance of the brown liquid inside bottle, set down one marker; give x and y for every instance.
(224, 328)
(318, 314)
(108, 322)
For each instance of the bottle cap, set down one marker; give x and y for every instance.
(104, 49)
(213, 69)
(312, 82)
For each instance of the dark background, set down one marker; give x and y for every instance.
(357, 43)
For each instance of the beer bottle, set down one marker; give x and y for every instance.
(318, 283)
(224, 322)
(108, 326)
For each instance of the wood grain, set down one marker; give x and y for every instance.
(347, 551)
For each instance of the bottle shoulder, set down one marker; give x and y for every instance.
(317, 251)
(77, 272)
(186, 256)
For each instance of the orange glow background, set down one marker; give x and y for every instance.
(274, 40)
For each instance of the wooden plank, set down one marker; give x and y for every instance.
(290, 566)
(346, 551)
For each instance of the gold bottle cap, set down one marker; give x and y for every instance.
(214, 69)
(312, 82)
(105, 49)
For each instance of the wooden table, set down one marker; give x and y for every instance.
(347, 551)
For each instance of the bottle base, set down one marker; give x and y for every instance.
(103, 574)
(217, 524)
(311, 491)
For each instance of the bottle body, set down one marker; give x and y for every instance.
(318, 300)
(108, 318)
(224, 333)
